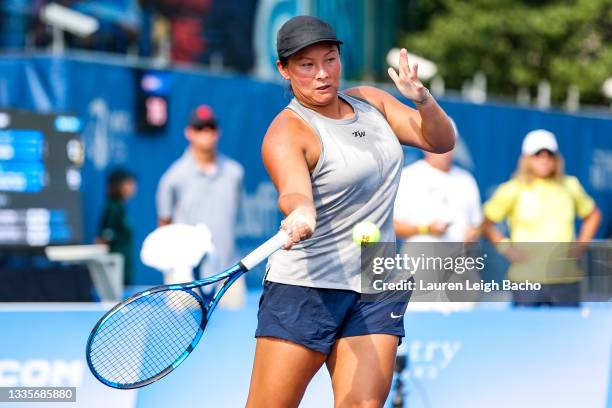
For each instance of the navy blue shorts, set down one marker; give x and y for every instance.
(316, 318)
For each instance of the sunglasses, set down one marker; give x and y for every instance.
(545, 152)
(204, 126)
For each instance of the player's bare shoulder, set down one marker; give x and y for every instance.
(374, 96)
(288, 135)
(287, 125)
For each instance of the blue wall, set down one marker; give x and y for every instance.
(102, 94)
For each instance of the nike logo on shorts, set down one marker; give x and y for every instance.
(394, 316)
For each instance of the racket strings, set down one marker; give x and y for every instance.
(146, 336)
(161, 351)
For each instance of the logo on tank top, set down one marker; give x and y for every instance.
(359, 133)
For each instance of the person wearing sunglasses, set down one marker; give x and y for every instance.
(540, 204)
(205, 187)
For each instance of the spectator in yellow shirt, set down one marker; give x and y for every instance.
(540, 204)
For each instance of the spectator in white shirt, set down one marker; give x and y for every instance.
(437, 202)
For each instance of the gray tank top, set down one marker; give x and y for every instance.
(355, 179)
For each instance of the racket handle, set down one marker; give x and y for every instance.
(265, 250)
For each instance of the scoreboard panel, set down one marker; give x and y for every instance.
(41, 156)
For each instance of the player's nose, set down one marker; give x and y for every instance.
(322, 73)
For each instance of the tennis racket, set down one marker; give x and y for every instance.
(145, 337)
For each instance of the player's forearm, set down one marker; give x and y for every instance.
(288, 202)
(589, 226)
(436, 127)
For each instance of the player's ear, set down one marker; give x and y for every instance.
(282, 69)
(187, 133)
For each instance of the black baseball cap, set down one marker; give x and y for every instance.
(300, 32)
(202, 117)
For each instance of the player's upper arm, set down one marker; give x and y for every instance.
(284, 156)
(405, 121)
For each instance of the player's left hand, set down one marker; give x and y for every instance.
(407, 81)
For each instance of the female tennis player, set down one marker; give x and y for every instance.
(335, 159)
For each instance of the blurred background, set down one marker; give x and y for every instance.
(89, 87)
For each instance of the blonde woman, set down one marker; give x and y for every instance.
(540, 205)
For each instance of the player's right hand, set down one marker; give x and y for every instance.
(299, 225)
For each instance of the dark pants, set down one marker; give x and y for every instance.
(558, 294)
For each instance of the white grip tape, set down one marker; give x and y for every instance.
(265, 250)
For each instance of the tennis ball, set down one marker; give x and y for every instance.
(365, 232)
